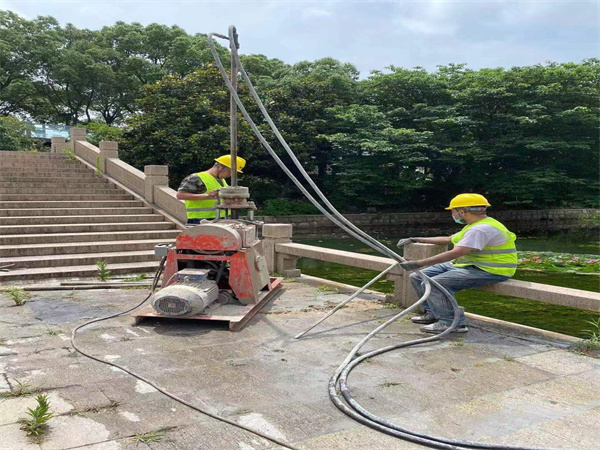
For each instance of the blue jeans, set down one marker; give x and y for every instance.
(453, 279)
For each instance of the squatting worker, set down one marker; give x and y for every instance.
(484, 252)
(200, 190)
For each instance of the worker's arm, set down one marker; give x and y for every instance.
(450, 255)
(441, 240)
(182, 195)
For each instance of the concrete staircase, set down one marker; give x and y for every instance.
(58, 219)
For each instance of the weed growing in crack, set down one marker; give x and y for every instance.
(103, 272)
(36, 424)
(146, 438)
(21, 390)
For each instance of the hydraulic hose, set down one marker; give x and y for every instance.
(153, 384)
(337, 217)
(343, 371)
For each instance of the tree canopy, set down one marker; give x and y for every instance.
(403, 139)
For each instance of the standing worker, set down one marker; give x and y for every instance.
(484, 252)
(200, 190)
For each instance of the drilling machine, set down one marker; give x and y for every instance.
(216, 270)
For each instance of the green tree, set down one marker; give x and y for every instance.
(13, 135)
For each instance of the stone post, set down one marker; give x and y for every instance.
(76, 134)
(273, 234)
(404, 295)
(108, 149)
(155, 176)
(56, 144)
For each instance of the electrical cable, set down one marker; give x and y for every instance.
(341, 374)
(154, 385)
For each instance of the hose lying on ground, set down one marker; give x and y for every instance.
(154, 385)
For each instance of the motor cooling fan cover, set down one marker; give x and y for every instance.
(185, 299)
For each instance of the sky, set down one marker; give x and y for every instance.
(372, 35)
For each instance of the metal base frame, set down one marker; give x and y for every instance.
(236, 315)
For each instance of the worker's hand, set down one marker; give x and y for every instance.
(410, 265)
(402, 242)
(213, 193)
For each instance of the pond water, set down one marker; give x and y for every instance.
(581, 244)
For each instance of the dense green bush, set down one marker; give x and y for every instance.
(98, 131)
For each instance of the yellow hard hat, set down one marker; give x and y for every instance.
(465, 200)
(225, 160)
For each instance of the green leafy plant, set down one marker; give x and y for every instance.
(594, 331)
(151, 436)
(69, 153)
(103, 272)
(18, 295)
(98, 171)
(36, 425)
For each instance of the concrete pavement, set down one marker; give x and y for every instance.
(490, 386)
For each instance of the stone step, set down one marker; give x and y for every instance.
(57, 238)
(8, 221)
(71, 248)
(83, 227)
(76, 271)
(83, 259)
(72, 204)
(111, 195)
(34, 166)
(55, 180)
(56, 190)
(73, 211)
(101, 183)
(68, 171)
(6, 155)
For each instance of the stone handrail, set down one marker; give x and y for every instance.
(286, 254)
(151, 184)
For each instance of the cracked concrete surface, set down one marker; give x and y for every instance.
(486, 385)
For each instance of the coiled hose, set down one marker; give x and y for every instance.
(338, 382)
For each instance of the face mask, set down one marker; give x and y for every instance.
(459, 220)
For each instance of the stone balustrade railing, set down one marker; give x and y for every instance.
(281, 254)
(285, 254)
(152, 184)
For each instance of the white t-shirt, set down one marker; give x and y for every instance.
(479, 236)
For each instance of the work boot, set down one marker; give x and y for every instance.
(425, 318)
(437, 328)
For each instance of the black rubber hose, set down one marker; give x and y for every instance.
(154, 385)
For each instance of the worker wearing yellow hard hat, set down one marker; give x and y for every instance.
(484, 252)
(200, 190)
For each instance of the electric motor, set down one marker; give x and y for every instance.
(190, 295)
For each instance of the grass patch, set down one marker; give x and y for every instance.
(69, 153)
(21, 390)
(392, 384)
(328, 289)
(140, 277)
(36, 424)
(146, 438)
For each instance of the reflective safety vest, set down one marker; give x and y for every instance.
(501, 259)
(203, 209)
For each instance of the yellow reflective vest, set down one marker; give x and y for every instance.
(501, 259)
(203, 209)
